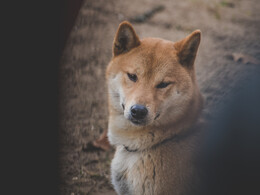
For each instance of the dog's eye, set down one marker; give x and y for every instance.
(162, 85)
(132, 77)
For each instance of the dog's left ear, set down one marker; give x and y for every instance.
(125, 39)
(187, 48)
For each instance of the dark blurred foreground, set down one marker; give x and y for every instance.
(231, 159)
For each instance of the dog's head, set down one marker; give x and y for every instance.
(152, 80)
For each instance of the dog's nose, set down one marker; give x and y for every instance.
(138, 111)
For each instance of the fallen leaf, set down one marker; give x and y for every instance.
(245, 59)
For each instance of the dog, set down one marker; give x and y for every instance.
(154, 113)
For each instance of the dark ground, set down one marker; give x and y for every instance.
(227, 27)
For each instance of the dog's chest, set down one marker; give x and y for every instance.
(168, 169)
(133, 172)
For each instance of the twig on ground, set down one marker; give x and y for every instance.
(146, 15)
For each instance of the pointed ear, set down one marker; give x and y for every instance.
(125, 39)
(187, 48)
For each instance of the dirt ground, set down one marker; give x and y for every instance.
(227, 27)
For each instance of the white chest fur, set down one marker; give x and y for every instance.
(133, 172)
(121, 167)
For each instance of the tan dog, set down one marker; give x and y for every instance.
(154, 105)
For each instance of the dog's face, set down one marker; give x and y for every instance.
(147, 78)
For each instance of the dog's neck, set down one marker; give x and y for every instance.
(181, 136)
(146, 139)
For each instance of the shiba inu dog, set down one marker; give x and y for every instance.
(154, 106)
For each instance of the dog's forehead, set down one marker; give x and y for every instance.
(155, 56)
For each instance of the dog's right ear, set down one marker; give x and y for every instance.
(125, 39)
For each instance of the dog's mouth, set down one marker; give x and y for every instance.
(138, 122)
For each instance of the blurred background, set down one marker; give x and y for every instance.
(227, 63)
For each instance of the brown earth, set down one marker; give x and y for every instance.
(227, 27)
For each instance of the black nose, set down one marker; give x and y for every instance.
(138, 111)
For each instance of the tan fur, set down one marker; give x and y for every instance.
(156, 157)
